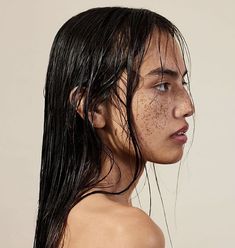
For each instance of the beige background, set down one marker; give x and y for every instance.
(206, 200)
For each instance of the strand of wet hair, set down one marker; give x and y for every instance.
(163, 206)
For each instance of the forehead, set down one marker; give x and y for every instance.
(162, 51)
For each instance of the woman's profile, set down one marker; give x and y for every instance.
(115, 98)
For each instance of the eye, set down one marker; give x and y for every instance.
(162, 87)
(184, 83)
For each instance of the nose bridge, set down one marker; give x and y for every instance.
(184, 105)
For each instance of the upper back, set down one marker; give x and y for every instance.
(106, 224)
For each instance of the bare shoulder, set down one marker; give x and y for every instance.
(112, 225)
(136, 229)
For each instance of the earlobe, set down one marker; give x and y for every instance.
(96, 116)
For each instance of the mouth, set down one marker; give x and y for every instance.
(180, 135)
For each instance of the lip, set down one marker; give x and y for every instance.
(182, 138)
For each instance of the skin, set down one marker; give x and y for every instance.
(160, 107)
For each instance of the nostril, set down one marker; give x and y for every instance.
(190, 111)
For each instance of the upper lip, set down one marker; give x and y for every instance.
(184, 129)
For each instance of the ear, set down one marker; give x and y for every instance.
(97, 118)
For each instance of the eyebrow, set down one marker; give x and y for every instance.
(165, 71)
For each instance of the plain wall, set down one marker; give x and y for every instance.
(204, 214)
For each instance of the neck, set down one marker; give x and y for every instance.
(119, 174)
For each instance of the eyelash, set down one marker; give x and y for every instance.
(184, 83)
(167, 85)
(162, 84)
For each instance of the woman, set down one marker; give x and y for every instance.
(115, 98)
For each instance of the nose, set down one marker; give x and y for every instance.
(184, 106)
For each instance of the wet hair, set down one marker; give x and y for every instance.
(89, 54)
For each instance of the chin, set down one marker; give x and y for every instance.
(170, 161)
(169, 158)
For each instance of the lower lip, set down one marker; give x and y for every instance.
(182, 139)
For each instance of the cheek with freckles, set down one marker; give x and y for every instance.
(151, 116)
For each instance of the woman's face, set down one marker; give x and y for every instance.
(160, 105)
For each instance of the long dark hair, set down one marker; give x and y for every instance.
(89, 54)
